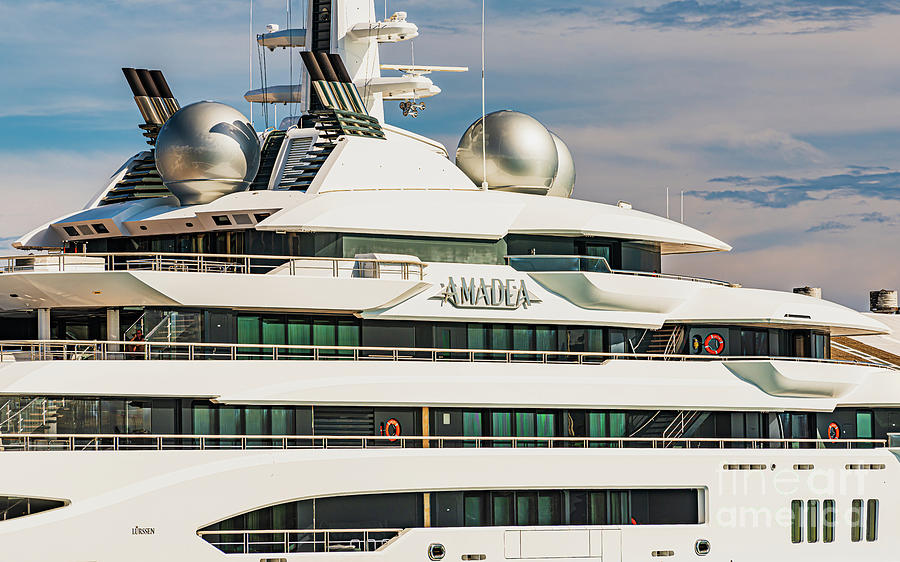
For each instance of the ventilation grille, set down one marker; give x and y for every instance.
(303, 161)
(342, 421)
(141, 181)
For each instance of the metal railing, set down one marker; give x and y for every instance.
(56, 350)
(216, 263)
(591, 264)
(147, 442)
(273, 541)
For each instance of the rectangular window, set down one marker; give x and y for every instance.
(503, 508)
(501, 426)
(812, 521)
(619, 507)
(863, 425)
(545, 338)
(473, 506)
(597, 508)
(856, 521)
(796, 521)
(273, 331)
(872, 520)
(548, 508)
(500, 337)
(526, 508)
(828, 530)
(282, 421)
(471, 424)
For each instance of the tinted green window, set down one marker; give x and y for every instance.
(872, 520)
(864, 425)
(503, 508)
(256, 420)
(299, 332)
(499, 336)
(617, 424)
(828, 529)
(471, 424)
(526, 508)
(548, 508)
(273, 332)
(796, 521)
(856, 521)
(593, 339)
(324, 333)
(202, 416)
(282, 421)
(545, 338)
(348, 333)
(473, 507)
(546, 425)
(501, 424)
(248, 329)
(619, 508)
(476, 336)
(523, 337)
(229, 421)
(597, 508)
(525, 424)
(812, 521)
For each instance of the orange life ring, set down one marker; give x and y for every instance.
(834, 431)
(392, 435)
(720, 344)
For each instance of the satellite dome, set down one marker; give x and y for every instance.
(564, 182)
(206, 150)
(521, 153)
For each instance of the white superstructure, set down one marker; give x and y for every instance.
(365, 354)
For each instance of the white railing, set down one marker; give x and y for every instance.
(148, 442)
(57, 350)
(216, 263)
(591, 264)
(269, 541)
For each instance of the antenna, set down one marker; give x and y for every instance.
(682, 206)
(251, 58)
(667, 202)
(484, 183)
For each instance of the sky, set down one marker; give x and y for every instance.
(778, 119)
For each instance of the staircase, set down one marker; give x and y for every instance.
(166, 327)
(268, 155)
(37, 415)
(667, 340)
(670, 425)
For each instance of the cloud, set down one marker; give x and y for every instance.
(829, 226)
(812, 15)
(857, 181)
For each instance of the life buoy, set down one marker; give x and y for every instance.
(720, 344)
(392, 429)
(834, 431)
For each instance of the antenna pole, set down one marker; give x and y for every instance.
(484, 182)
(667, 202)
(251, 58)
(682, 205)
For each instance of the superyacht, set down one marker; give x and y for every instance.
(336, 340)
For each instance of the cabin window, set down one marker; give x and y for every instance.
(872, 520)
(856, 514)
(812, 521)
(796, 521)
(828, 530)
(13, 507)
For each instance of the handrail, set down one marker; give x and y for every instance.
(216, 263)
(166, 442)
(309, 540)
(50, 350)
(606, 268)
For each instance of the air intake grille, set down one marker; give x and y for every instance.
(343, 421)
(141, 181)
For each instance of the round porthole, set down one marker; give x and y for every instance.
(436, 551)
(701, 547)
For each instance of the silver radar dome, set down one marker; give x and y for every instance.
(206, 150)
(564, 182)
(520, 153)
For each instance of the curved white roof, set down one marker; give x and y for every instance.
(482, 214)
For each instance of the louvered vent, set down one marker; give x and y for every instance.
(141, 181)
(304, 158)
(343, 421)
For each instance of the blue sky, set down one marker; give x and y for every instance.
(779, 119)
